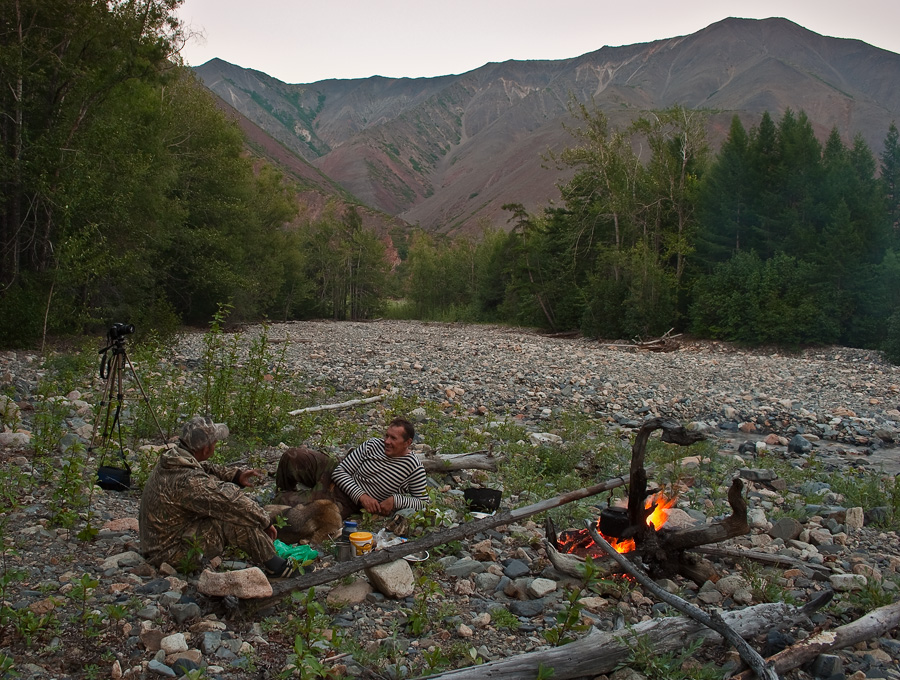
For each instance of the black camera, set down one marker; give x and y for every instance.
(119, 330)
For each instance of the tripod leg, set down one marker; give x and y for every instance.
(105, 400)
(144, 394)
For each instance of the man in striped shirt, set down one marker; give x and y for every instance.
(380, 475)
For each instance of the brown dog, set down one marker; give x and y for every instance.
(311, 522)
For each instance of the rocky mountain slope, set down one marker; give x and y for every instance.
(447, 152)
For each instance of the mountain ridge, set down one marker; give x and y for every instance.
(447, 152)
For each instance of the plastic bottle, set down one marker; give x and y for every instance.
(349, 528)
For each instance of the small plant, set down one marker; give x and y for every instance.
(7, 667)
(80, 593)
(569, 619)
(679, 665)
(872, 596)
(765, 584)
(418, 619)
(30, 626)
(191, 560)
(503, 618)
(309, 640)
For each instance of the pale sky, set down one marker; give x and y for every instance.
(299, 41)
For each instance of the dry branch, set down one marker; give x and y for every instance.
(819, 573)
(333, 407)
(873, 624)
(750, 656)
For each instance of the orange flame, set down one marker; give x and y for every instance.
(660, 514)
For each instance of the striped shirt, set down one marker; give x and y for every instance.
(367, 469)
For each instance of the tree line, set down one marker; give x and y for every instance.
(776, 239)
(127, 195)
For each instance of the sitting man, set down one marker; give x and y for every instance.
(188, 502)
(380, 475)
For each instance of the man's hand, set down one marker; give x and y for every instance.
(370, 504)
(246, 477)
(272, 532)
(386, 507)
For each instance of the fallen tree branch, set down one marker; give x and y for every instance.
(873, 624)
(333, 407)
(280, 589)
(819, 573)
(750, 656)
(599, 652)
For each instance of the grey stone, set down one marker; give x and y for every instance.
(527, 608)
(799, 444)
(394, 579)
(757, 475)
(486, 581)
(464, 568)
(210, 642)
(185, 612)
(787, 529)
(160, 668)
(827, 665)
(516, 569)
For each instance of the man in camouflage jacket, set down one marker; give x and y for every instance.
(188, 502)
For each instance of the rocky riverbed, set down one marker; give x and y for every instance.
(495, 595)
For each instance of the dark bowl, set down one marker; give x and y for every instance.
(482, 500)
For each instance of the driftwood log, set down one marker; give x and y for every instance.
(281, 589)
(451, 462)
(599, 652)
(872, 625)
(334, 407)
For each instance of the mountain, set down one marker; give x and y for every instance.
(447, 152)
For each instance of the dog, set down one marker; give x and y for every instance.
(311, 522)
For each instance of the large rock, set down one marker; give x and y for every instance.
(394, 579)
(243, 584)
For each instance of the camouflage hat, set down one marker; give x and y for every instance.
(201, 431)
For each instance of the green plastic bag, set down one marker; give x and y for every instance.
(301, 553)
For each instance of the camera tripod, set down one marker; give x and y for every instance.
(113, 361)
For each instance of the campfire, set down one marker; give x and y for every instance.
(613, 525)
(639, 530)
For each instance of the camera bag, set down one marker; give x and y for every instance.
(114, 478)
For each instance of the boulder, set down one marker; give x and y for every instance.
(394, 579)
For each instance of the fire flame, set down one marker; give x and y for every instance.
(571, 541)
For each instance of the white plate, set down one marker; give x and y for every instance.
(416, 557)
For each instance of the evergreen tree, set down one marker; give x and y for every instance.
(725, 197)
